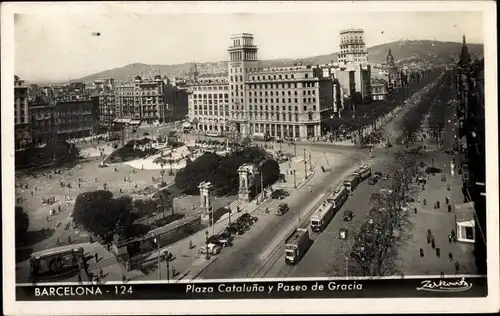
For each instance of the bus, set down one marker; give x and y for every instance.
(351, 182)
(56, 262)
(324, 214)
(363, 172)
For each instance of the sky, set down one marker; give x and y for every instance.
(62, 46)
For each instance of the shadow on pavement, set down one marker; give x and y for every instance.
(34, 237)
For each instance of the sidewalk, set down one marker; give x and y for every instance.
(439, 221)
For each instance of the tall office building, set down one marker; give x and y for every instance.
(242, 60)
(352, 46)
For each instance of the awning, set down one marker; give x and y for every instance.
(186, 124)
(135, 122)
(464, 214)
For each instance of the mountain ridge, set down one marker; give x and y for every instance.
(403, 51)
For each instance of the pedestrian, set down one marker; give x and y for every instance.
(438, 252)
(101, 273)
(449, 238)
(457, 266)
(421, 252)
(79, 279)
(433, 244)
(96, 257)
(450, 256)
(449, 208)
(442, 274)
(31, 193)
(58, 242)
(438, 204)
(69, 239)
(447, 200)
(124, 279)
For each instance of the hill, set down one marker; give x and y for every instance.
(403, 51)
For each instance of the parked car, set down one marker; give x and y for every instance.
(377, 174)
(282, 209)
(226, 236)
(219, 240)
(279, 194)
(235, 229)
(249, 218)
(373, 181)
(348, 215)
(212, 249)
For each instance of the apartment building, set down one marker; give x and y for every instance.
(142, 102)
(208, 102)
(21, 114)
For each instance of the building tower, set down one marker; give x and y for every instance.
(242, 61)
(352, 46)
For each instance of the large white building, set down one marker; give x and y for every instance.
(208, 102)
(280, 102)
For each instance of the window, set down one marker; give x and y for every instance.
(306, 75)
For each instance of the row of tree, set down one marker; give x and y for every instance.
(412, 121)
(55, 152)
(222, 171)
(375, 250)
(356, 115)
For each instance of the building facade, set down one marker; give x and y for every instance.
(107, 104)
(352, 46)
(142, 102)
(21, 114)
(379, 89)
(208, 103)
(76, 119)
(287, 102)
(42, 116)
(470, 107)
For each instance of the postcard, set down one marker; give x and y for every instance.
(249, 157)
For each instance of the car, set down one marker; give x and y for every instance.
(348, 215)
(212, 249)
(377, 174)
(373, 181)
(279, 194)
(216, 240)
(282, 209)
(421, 179)
(249, 218)
(235, 229)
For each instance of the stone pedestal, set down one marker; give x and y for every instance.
(206, 202)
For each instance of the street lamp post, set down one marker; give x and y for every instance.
(305, 164)
(157, 241)
(207, 256)
(310, 163)
(229, 208)
(294, 180)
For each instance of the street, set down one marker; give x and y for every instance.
(244, 260)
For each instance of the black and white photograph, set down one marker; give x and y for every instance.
(249, 153)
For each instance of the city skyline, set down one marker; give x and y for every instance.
(77, 52)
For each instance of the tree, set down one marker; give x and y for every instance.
(375, 249)
(101, 214)
(222, 172)
(22, 222)
(161, 161)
